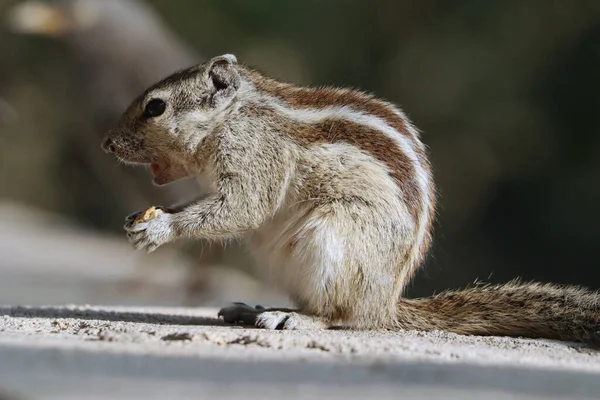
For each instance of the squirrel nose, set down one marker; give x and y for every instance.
(108, 145)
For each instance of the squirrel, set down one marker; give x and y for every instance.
(332, 190)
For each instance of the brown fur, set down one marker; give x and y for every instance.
(513, 309)
(368, 140)
(299, 97)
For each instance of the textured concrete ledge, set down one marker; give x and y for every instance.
(113, 351)
(79, 352)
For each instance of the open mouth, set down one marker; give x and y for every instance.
(165, 172)
(162, 168)
(154, 168)
(160, 172)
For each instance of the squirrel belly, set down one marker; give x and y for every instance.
(332, 190)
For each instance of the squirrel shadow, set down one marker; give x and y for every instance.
(108, 315)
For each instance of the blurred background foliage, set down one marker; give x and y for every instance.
(505, 93)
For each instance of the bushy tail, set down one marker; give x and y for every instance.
(531, 310)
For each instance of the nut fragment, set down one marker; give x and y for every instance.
(148, 215)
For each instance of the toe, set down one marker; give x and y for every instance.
(141, 243)
(131, 217)
(138, 227)
(239, 313)
(272, 320)
(298, 321)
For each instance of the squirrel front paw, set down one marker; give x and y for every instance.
(149, 229)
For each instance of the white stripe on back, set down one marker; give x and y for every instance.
(311, 116)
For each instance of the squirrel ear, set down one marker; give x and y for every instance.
(223, 79)
(230, 57)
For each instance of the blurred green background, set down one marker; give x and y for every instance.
(504, 92)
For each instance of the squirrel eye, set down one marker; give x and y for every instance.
(154, 108)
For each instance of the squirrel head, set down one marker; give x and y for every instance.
(165, 124)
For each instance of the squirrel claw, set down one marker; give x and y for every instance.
(240, 313)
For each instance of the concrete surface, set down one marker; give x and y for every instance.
(77, 352)
(142, 345)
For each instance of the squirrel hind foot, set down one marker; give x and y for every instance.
(271, 318)
(289, 320)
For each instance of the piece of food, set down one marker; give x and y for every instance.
(148, 215)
